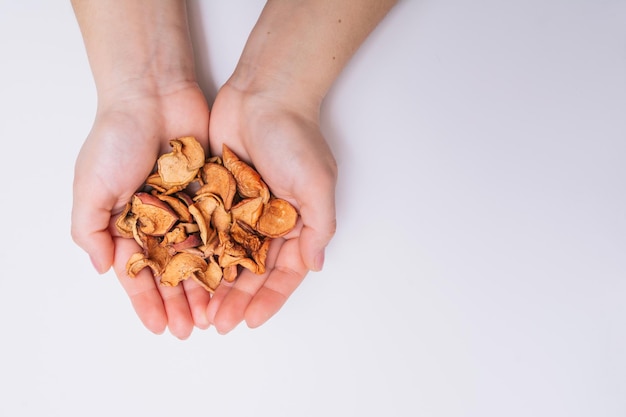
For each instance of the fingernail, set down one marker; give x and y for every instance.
(95, 264)
(318, 262)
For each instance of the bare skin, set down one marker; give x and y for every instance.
(267, 112)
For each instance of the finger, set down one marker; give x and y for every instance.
(179, 319)
(141, 290)
(216, 301)
(91, 213)
(285, 276)
(198, 299)
(317, 211)
(232, 306)
(157, 306)
(229, 304)
(256, 298)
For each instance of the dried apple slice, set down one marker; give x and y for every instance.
(248, 210)
(176, 235)
(221, 219)
(125, 222)
(202, 212)
(218, 180)
(154, 181)
(206, 203)
(203, 225)
(176, 204)
(154, 256)
(278, 218)
(192, 241)
(185, 198)
(247, 237)
(231, 255)
(211, 278)
(190, 227)
(212, 244)
(249, 182)
(250, 265)
(230, 273)
(180, 167)
(154, 217)
(136, 263)
(182, 266)
(259, 256)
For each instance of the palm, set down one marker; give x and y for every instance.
(118, 155)
(291, 155)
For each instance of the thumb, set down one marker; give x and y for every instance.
(91, 216)
(317, 210)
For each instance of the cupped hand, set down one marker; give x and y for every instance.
(285, 145)
(130, 131)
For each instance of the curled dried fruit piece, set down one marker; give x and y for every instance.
(182, 266)
(249, 182)
(154, 256)
(219, 181)
(154, 217)
(277, 219)
(211, 277)
(203, 218)
(179, 167)
(177, 204)
(126, 222)
(248, 210)
(202, 212)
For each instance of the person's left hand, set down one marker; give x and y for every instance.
(286, 147)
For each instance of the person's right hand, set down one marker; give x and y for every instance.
(133, 126)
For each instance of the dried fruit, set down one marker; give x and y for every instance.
(180, 166)
(249, 181)
(205, 232)
(218, 180)
(182, 266)
(154, 216)
(277, 219)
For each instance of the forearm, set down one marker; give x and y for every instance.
(298, 48)
(136, 43)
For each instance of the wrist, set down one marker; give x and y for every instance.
(278, 86)
(139, 47)
(147, 67)
(144, 87)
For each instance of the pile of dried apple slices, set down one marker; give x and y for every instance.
(201, 218)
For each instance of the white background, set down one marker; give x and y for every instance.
(479, 264)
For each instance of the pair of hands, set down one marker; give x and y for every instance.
(282, 141)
